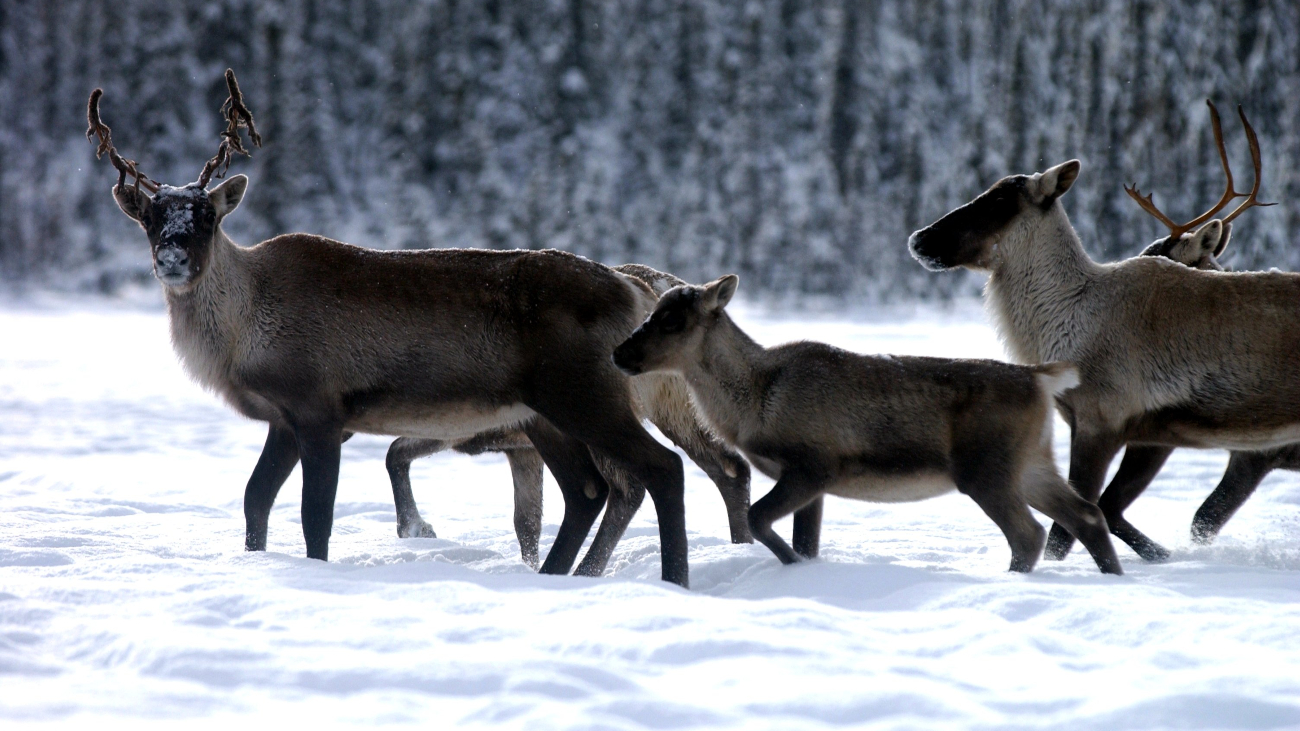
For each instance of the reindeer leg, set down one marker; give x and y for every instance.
(279, 456)
(727, 469)
(625, 498)
(983, 472)
(1090, 456)
(790, 493)
(597, 410)
(581, 484)
(1049, 494)
(648, 467)
(401, 453)
(318, 445)
(808, 528)
(1136, 471)
(526, 469)
(1245, 471)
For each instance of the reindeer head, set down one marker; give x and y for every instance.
(671, 337)
(181, 223)
(968, 236)
(1201, 250)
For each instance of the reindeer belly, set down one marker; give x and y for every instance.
(446, 421)
(1245, 439)
(1249, 429)
(878, 488)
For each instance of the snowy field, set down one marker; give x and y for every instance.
(125, 595)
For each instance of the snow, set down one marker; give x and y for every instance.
(125, 594)
(180, 215)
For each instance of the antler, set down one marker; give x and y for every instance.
(1253, 140)
(237, 115)
(98, 128)
(1230, 190)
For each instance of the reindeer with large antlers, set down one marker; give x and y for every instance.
(321, 339)
(1141, 463)
(1169, 356)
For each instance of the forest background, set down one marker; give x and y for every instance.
(796, 143)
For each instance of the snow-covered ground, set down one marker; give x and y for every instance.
(125, 594)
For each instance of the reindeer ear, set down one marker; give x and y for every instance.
(719, 292)
(1055, 181)
(1223, 240)
(1205, 242)
(226, 197)
(133, 202)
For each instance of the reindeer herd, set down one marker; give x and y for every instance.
(555, 360)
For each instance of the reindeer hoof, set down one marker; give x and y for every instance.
(1203, 535)
(418, 529)
(1153, 553)
(1022, 565)
(1058, 546)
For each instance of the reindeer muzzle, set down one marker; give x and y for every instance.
(629, 358)
(171, 265)
(921, 245)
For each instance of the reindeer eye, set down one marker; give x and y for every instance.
(672, 322)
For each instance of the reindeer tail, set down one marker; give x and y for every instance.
(1056, 378)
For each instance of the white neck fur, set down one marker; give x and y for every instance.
(1036, 291)
(208, 320)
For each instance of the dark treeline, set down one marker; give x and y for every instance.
(796, 143)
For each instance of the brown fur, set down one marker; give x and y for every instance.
(822, 420)
(1141, 463)
(1152, 374)
(661, 398)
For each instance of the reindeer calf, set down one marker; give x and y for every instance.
(886, 429)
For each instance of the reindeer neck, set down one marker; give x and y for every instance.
(1036, 292)
(208, 320)
(727, 381)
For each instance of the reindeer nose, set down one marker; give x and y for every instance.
(171, 257)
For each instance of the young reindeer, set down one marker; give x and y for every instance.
(662, 399)
(321, 339)
(886, 429)
(1151, 376)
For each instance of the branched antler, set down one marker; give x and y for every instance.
(237, 115)
(1251, 200)
(1230, 191)
(99, 129)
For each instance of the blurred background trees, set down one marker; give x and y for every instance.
(797, 143)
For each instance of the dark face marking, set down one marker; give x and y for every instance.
(180, 224)
(662, 334)
(961, 238)
(1160, 247)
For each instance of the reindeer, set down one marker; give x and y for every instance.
(664, 400)
(1140, 464)
(1151, 375)
(321, 339)
(880, 428)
